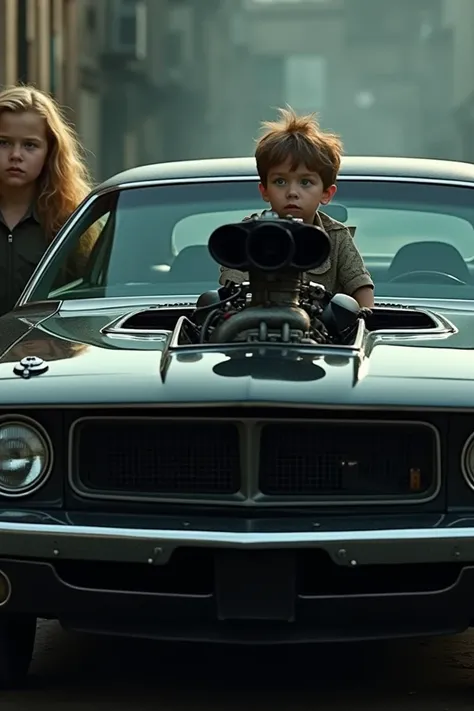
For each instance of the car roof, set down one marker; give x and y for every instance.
(377, 166)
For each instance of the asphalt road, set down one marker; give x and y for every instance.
(73, 672)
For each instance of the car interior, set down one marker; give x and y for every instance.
(425, 261)
(409, 250)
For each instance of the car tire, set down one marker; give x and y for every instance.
(17, 642)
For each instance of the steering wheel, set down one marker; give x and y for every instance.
(428, 277)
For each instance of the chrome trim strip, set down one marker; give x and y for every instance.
(98, 192)
(415, 301)
(346, 548)
(243, 405)
(407, 179)
(254, 178)
(14, 419)
(133, 303)
(249, 494)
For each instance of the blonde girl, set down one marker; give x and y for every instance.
(43, 178)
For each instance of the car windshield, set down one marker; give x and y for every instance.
(152, 240)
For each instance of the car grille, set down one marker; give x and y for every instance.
(294, 461)
(155, 457)
(348, 459)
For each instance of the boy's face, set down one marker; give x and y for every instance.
(297, 193)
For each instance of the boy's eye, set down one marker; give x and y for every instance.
(278, 181)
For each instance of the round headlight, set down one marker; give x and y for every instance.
(25, 457)
(467, 461)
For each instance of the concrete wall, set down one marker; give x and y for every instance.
(120, 62)
(199, 76)
(38, 45)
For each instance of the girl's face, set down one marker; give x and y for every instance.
(23, 148)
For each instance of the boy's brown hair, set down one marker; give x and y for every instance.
(301, 139)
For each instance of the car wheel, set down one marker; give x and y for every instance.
(17, 641)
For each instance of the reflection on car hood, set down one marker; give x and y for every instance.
(88, 366)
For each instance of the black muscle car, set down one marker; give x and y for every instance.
(254, 462)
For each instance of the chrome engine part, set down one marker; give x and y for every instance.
(277, 304)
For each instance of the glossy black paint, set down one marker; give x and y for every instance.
(61, 545)
(90, 370)
(90, 367)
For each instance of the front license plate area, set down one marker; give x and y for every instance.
(255, 585)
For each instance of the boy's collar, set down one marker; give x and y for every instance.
(327, 223)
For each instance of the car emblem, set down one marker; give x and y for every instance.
(31, 365)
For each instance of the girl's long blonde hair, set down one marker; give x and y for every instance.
(65, 180)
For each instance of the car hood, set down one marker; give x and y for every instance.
(87, 366)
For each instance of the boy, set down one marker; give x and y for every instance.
(298, 166)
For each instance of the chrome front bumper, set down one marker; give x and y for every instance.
(38, 540)
(58, 556)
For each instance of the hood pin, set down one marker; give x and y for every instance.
(31, 365)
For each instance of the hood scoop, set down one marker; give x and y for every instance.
(405, 320)
(400, 318)
(154, 321)
(157, 322)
